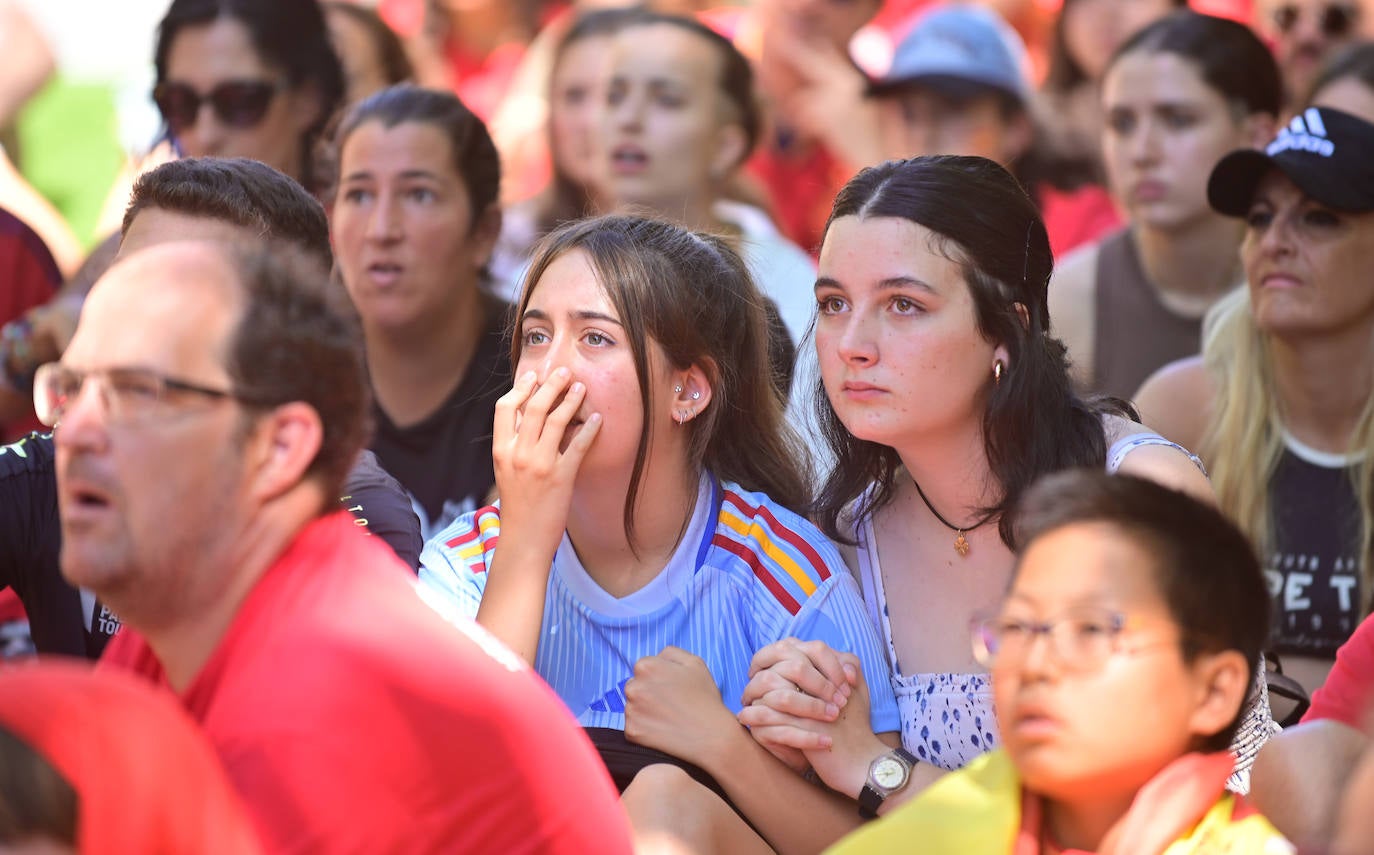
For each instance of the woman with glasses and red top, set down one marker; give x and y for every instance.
(247, 78)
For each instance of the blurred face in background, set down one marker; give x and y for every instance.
(359, 53)
(1305, 33)
(1094, 29)
(1348, 94)
(667, 134)
(1164, 129)
(917, 119)
(577, 96)
(221, 99)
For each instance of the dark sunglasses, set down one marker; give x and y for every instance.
(1337, 20)
(237, 103)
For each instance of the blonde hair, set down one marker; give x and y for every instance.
(1244, 441)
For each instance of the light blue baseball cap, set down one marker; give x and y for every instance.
(960, 43)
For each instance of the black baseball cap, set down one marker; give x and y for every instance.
(1328, 154)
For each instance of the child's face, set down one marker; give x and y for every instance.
(1104, 701)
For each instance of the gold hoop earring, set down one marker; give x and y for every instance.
(997, 372)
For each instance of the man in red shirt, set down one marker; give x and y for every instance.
(210, 404)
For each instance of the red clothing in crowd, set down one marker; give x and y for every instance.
(480, 82)
(1349, 688)
(28, 277)
(1077, 217)
(352, 718)
(145, 778)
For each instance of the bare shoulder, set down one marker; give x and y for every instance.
(1173, 467)
(1177, 401)
(1072, 304)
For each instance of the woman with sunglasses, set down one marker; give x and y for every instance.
(943, 398)
(1306, 33)
(247, 78)
(1177, 96)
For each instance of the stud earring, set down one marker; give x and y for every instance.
(696, 396)
(997, 372)
(677, 390)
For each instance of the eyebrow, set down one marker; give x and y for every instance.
(892, 283)
(583, 315)
(408, 174)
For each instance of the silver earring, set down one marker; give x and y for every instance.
(696, 396)
(677, 390)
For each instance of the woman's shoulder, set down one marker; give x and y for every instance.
(1073, 305)
(1134, 449)
(767, 532)
(468, 537)
(1177, 401)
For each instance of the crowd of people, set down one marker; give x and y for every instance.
(669, 427)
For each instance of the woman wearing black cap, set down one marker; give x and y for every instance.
(1279, 400)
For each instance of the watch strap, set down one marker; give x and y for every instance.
(871, 798)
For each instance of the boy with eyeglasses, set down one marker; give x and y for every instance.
(1120, 662)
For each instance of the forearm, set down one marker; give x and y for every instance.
(512, 607)
(793, 814)
(1299, 776)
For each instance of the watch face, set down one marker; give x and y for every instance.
(889, 773)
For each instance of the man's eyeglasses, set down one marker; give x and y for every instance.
(1335, 21)
(237, 103)
(128, 395)
(1081, 641)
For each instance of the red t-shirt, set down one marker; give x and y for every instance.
(352, 718)
(1349, 689)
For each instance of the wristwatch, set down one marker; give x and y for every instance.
(886, 775)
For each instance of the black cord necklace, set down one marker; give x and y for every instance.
(960, 542)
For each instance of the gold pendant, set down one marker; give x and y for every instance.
(961, 544)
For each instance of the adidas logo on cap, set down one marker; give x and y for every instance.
(1305, 133)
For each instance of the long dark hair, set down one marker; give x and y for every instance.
(1228, 56)
(1034, 422)
(694, 297)
(289, 34)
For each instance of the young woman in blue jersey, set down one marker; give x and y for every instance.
(943, 398)
(646, 550)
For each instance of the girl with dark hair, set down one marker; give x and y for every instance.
(680, 120)
(576, 93)
(372, 55)
(647, 550)
(944, 397)
(1178, 96)
(1086, 34)
(265, 69)
(414, 221)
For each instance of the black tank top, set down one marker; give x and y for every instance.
(1313, 570)
(1133, 332)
